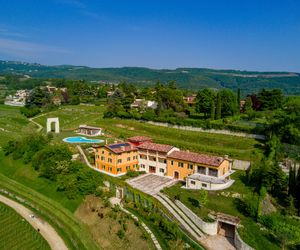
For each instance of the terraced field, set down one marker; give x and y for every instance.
(16, 233)
(13, 124)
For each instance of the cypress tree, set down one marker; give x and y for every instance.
(219, 107)
(212, 111)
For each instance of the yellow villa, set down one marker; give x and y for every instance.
(116, 159)
(141, 154)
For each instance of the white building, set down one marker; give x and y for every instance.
(89, 130)
(153, 157)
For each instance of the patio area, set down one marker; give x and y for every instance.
(150, 183)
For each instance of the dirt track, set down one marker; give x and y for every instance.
(46, 230)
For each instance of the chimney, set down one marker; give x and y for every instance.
(115, 142)
(105, 141)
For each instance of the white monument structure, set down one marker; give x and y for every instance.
(49, 122)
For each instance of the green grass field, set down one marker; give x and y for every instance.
(17, 233)
(72, 116)
(13, 124)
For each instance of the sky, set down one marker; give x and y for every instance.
(259, 35)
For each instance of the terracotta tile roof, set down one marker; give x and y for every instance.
(164, 148)
(197, 158)
(119, 148)
(139, 139)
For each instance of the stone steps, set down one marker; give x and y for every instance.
(180, 216)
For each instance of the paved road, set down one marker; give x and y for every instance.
(46, 230)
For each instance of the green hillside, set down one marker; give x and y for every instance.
(187, 78)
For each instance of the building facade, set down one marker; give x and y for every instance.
(153, 157)
(116, 159)
(199, 171)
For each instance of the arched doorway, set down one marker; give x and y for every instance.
(55, 121)
(176, 175)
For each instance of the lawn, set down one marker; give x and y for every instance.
(236, 147)
(13, 124)
(226, 202)
(17, 233)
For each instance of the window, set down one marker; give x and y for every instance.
(204, 185)
(180, 164)
(134, 157)
(127, 168)
(193, 183)
(213, 172)
(109, 154)
(161, 170)
(191, 166)
(201, 170)
(119, 160)
(119, 169)
(110, 169)
(152, 158)
(162, 160)
(143, 157)
(128, 158)
(109, 160)
(102, 152)
(142, 166)
(172, 163)
(102, 158)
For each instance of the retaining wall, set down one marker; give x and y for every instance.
(210, 228)
(213, 131)
(239, 243)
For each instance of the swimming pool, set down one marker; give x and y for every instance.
(80, 139)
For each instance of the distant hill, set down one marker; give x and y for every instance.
(188, 78)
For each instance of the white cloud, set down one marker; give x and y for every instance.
(22, 49)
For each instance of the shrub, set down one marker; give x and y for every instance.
(30, 112)
(121, 233)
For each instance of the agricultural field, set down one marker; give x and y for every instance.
(72, 116)
(13, 124)
(18, 233)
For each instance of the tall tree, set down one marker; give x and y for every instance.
(218, 107)
(205, 101)
(238, 98)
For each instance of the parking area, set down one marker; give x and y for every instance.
(151, 183)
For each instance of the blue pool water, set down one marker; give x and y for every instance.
(80, 139)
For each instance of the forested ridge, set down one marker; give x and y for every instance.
(187, 78)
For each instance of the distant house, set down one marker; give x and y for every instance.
(142, 103)
(242, 106)
(18, 99)
(89, 130)
(190, 100)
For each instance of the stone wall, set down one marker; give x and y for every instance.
(210, 228)
(240, 165)
(239, 243)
